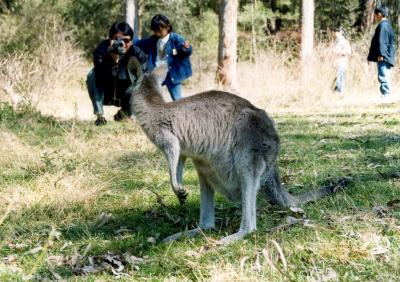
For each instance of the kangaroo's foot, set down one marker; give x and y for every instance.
(188, 233)
(232, 238)
(182, 195)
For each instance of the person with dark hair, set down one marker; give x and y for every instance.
(168, 47)
(382, 50)
(341, 51)
(108, 81)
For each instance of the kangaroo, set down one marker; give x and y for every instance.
(234, 147)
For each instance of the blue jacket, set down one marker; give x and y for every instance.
(382, 43)
(177, 56)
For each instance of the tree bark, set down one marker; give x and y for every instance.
(307, 30)
(253, 49)
(132, 15)
(398, 22)
(368, 15)
(227, 48)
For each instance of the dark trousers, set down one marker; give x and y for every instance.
(100, 98)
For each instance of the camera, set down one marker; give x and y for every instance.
(117, 47)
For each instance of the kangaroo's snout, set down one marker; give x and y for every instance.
(160, 73)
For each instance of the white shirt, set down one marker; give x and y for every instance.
(342, 50)
(161, 56)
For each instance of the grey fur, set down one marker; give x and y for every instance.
(234, 147)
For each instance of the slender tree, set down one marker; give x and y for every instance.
(368, 15)
(132, 15)
(307, 30)
(398, 23)
(227, 49)
(253, 49)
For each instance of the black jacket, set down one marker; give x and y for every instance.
(111, 76)
(382, 43)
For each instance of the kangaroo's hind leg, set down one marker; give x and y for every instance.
(250, 176)
(207, 218)
(169, 144)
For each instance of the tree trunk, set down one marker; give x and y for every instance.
(368, 15)
(253, 49)
(397, 11)
(132, 15)
(307, 31)
(227, 49)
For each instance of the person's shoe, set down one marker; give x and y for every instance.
(385, 99)
(100, 121)
(120, 115)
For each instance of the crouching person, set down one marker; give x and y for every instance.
(108, 81)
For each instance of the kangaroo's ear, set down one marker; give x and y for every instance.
(160, 72)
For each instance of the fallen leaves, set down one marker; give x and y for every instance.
(323, 275)
(18, 246)
(118, 265)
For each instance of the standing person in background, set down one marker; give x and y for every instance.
(341, 51)
(167, 47)
(382, 50)
(108, 81)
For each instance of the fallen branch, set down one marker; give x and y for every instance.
(291, 221)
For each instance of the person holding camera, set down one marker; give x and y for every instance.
(167, 47)
(108, 81)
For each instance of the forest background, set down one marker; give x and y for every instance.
(46, 46)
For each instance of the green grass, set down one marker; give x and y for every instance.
(61, 175)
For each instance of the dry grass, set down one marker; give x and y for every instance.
(275, 83)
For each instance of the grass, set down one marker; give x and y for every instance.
(57, 177)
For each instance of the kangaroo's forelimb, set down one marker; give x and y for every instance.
(169, 144)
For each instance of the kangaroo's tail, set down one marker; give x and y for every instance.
(272, 188)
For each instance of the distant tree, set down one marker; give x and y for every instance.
(253, 49)
(368, 18)
(307, 30)
(227, 48)
(132, 15)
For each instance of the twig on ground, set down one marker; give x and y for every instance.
(285, 226)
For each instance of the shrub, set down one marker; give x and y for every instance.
(37, 53)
